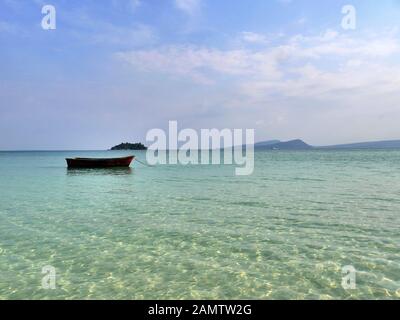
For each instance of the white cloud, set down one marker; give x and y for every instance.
(131, 5)
(136, 35)
(13, 4)
(134, 4)
(199, 63)
(252, 37)
(332, 43)
(285, 1)
(354, 63)
(264, 64)
(6, 27)
(188, 6)
(90, 30)
(302, 21)
(303, 87)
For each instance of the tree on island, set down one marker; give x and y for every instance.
(130, 146)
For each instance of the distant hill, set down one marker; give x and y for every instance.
(130, 146)
(301, 145)
(266, 143)
(288, 145)
(390, 144)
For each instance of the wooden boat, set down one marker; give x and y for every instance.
(100, 162)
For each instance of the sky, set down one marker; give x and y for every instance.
(112, 70)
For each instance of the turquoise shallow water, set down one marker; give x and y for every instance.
(180, 232)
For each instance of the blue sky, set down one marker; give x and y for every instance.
(112, 70)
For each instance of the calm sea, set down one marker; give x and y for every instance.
(198, 232)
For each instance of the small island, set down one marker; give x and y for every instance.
(130, 146)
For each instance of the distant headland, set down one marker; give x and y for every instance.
(288, 145)
(301, 145)
(130, 146)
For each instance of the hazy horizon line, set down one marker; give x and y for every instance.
(79, 150)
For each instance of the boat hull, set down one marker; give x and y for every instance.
(99, 163)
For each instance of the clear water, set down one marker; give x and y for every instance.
(180, 232)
